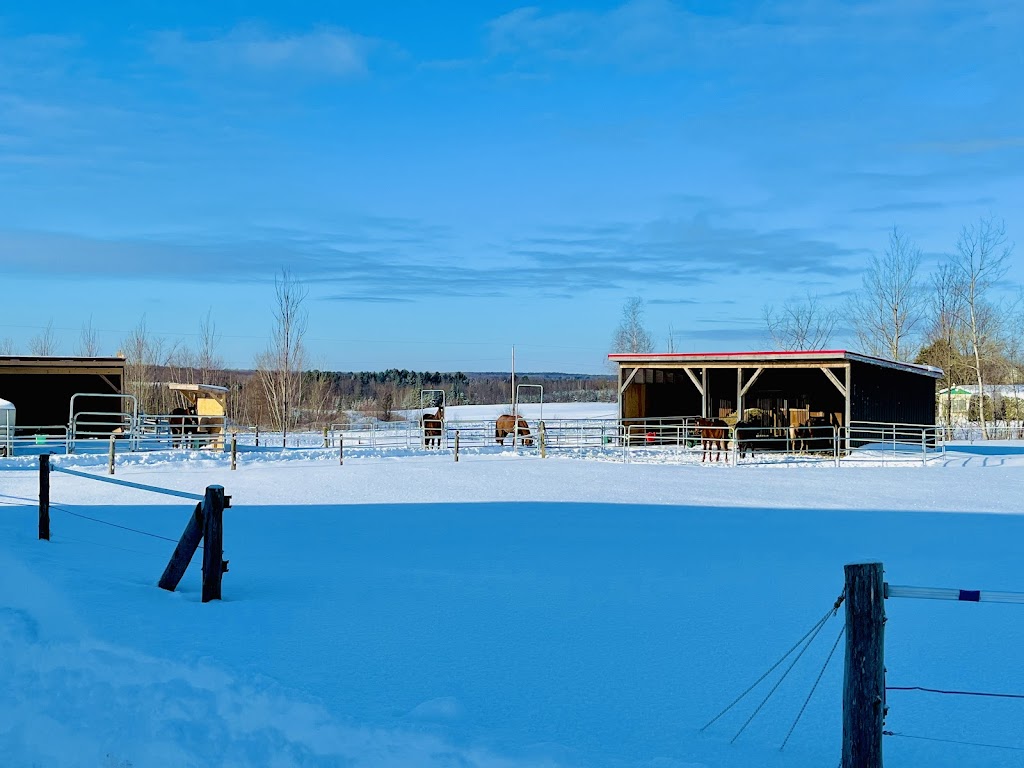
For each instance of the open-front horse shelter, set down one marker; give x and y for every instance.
(43, 389)
(776, 389)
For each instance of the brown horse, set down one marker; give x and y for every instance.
(713, 435)
(507, 425)
(433, 427)
(183, 422)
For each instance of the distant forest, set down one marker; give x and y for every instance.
(327, 397)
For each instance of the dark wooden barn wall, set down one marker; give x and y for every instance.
(888, 395)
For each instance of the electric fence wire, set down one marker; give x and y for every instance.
(112, 525)
(816, 627)
(953, 741)
(778, 682)
(954, 693)
(842, 631)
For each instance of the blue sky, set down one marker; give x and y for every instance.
(452, 179)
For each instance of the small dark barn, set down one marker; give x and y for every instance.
(41, 388)
(776, 389)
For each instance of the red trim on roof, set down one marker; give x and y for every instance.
(729, 354)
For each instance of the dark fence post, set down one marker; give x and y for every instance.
(257, 435)
(864, 680)
(213, 542)
(110, 457)
(456, 445)
(341, 450)
(44, 496)
(234, 449)
(186, 547)
(327, 443)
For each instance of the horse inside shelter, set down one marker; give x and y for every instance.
(208, 403)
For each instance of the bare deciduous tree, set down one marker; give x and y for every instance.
(143, 354)
(280, 366)
(979, 262)
(800, 325)
(946, 332)
(44, 343)
(7, 346)
(207, 360)
(88, 341)
(631, 335)
(887, 310)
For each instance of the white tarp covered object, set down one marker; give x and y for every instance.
(7, 414)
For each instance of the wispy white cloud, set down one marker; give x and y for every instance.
(328, 51)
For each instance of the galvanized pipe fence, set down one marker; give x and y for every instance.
(661, 439)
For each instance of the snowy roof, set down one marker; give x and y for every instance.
(6, 405)
(211, 388)
(824, 356)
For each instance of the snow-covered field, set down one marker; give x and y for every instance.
(505, 610)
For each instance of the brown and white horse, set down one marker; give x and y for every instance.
(713, 437)
(433, 427)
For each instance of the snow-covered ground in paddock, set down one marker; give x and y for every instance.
(505, 610)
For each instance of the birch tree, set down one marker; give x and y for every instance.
(887, 311)
(979, 263)
(44, 343)
(88, 341)
(280, 366)
(631, 335)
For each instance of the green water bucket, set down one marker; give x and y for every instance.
(40, 439)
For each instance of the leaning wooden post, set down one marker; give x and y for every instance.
(234, 450)
(213, 542)
(182, 556)
(341, 450)
(456, 445)
(44, 496)
(543, 440)
(864, 682)
(110, 457)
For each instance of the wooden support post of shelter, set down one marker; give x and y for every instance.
(864, 680)
(44, 496)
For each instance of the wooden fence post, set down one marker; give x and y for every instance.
(257, 435)
(543, 440)
(326, 442)
(456, 445)
(213, 542)
(234, 449)
(183, 551)
(110, 457)
(341, 450)
(44, 496)
(864, 680)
